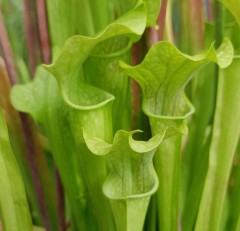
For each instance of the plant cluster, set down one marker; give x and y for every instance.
(106, 125)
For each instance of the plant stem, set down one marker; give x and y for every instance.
(29, 140)
(167, 165)
(209, 10)
(162, 19)
(7, 53)
(234, 190)
(156, 35)
(136, 101)
(30, 23)
(218, 11)
(196, 25)
(60, 203)
(43, 31)
(169, 23)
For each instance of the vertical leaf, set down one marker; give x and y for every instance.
(226, 131)
(14, 208)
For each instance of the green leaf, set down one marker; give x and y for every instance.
(234, 200)
(65, 20)
(226, 131)
(14, 208)
(153, 8)
(196, 151)
(234, 8)
(132, 179)
(197, 176)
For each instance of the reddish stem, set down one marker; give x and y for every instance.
(43, 31)
(7, 52)
(60, 203)
(162, 19)
(196, 25)
(136, 99)
(158, 35)
(31, 32)
(30, 144)
(209, 4)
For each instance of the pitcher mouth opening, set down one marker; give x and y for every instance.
(189, 110)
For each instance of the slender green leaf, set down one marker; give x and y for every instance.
(14, 208)
(198, 175)
(65, 20)
(226, 131)
(196, 150)
(234, 190)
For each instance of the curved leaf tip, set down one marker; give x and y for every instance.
(225, 54)
(100, 147)
(29, 97)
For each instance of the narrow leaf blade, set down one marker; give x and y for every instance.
(13, 202)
